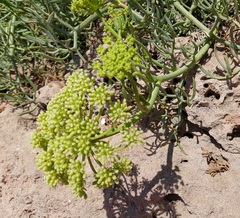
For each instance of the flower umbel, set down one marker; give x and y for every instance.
(107, 176)
(67, 134)
(117, 60)
(119, 111)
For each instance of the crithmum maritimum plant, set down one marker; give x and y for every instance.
(139, 52)
(70, 135)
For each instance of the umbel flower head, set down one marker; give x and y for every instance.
(67, 136)
(117, 60)
(86, 6)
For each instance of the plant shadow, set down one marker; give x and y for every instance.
(136, 197)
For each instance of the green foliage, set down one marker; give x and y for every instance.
(34, 36)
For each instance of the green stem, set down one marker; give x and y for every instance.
(161, 65)
(227, 43)
(90, 19)
(11, 6)
(136, 94)
(144, 78)
(137, 15)
(91, 165)
(154, 95)
(190, 17)
(186, 68)
(12, 51)
(11, 36)
(98, 12)
(97, 161)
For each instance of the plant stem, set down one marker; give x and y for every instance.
(98, 12)
(91, 165)
(186, 68)
(191, 17)
(136, 94)
(90, 19)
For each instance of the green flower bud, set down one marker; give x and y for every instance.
(44, 160)
(60, 162)
(38, 141)
(119, 112)
(123, 165)
(118, 60)
(86, 6)
(106, 177)
(100, 96)
(131, 136)
(105, 152)
(52, 178)
(77, 178)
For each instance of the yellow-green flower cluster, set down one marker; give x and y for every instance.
(77, 176)
(105, 152)
(86, 6)
(65, 130)
(118, 20)
(67, 135)
(107, 176)
(119, 112)
(117, 59)
(100, 95)
(131, 136)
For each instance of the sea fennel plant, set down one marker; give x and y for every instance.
(140, 52)
(70, 135)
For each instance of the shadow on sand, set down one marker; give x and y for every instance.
(136, 197)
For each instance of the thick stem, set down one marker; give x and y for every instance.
(90, 19)
(191, 17)
(186, 68)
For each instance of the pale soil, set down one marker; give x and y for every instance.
(164, 181)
